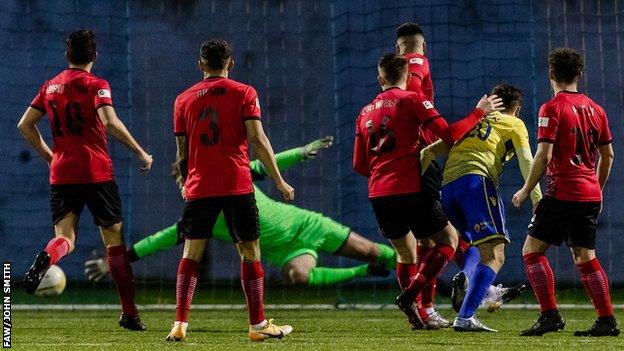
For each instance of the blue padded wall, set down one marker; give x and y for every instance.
(313, 64)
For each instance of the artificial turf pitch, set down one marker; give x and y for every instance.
(334, 330)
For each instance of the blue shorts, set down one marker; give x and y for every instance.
(473, 206)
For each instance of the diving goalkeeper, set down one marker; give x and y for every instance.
(291, 237)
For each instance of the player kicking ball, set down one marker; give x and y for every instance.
(291, 236)
(213, 120)
(572, 131)
(471, 200)
(79, 107)
(386, 152)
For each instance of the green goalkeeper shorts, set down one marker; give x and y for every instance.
(316, 233)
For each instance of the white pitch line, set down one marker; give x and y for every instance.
(154, 307)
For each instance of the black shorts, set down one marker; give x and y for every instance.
(431, 181)
(418, 212)
(573, 222)
(102, 200)
(240, 212)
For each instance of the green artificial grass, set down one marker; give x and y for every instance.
(334, 330)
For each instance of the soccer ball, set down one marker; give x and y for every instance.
(53, 282)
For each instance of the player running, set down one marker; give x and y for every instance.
(572, 129)
(471, 200)
(79, 107)
(291, 236)
(386, 151)
(212, 121)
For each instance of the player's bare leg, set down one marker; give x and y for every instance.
(252, 279)
(121, 272)
(596, 284)
(186, 282)
(446, 241)
(297, 270)
(542, 280)
(492, 255)
(61, 245)
(359, 248)
(381, 257)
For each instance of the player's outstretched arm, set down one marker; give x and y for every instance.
(169, 237)
(119, 131)
(451, 133)
(289, 158)
(525, 162)
(604, 164)
(542, 158)
(520, 141)
(264, 150)
(28, 127)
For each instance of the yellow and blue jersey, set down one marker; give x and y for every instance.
(472, 172)
(487, 148)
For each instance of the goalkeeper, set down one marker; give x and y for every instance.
(290, 237)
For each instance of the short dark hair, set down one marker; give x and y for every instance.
(511, 95)
(214, 53)
(393, 67)
(566, 64)
(80, 46)
(409, 28)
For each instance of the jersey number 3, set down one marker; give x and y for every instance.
(210, 138)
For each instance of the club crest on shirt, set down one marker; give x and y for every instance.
(416, 61)
(428, 105)
(104, 93)
(542, 122)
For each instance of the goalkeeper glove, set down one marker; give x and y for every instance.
(311, 150)
(97, 268)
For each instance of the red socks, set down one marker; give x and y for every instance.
(57, 248)
(460, 252)
(121, 272)
(432, 264)
(252, 280)
(186, 281)
(595, 281)
(405, 272)
(542, 280)
(405, 275)
(426, 297)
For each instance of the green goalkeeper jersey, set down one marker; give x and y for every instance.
(286, 229)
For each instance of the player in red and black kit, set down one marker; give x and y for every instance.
(213, 120)
(411, 45)
(80, 109)
(386, 151)
(572, 131)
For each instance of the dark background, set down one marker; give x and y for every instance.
(313, 64)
